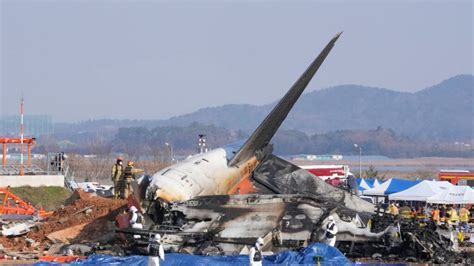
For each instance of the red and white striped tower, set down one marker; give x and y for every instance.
(22, 129)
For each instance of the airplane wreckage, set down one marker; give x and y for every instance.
(221, 201)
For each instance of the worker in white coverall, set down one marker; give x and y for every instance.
(155, 251)
(136, 222)
(331, 231)
(255, 255)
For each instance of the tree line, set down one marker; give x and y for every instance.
(159, 142)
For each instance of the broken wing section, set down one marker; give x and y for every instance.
(282, 177)
(267, 129)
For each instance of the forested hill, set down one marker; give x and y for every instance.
(436, 121)
(441, 112)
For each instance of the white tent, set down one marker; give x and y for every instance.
(421, 191)
(454, 195)
(444, 184)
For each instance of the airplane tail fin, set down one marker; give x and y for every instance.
(266, 130)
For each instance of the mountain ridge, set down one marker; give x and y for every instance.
(439, 112)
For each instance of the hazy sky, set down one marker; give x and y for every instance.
(155, 59)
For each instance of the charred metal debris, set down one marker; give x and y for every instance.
(289, 214)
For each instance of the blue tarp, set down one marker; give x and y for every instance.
(328, 256)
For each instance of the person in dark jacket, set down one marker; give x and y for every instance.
(155, 250)
(129, 174)
(352, 185)
(442, 213)
(255, 255)
(331, 231)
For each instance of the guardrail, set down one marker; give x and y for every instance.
(14, 169)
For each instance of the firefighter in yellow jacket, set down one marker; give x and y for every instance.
(129, 174)
(464, 215)
(117, 171)
(393, 209)
(405, 212)
(453, 216)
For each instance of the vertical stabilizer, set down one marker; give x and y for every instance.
(267, 129)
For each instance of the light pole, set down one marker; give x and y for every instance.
(171, 151)
(202, 143)
(360, 160)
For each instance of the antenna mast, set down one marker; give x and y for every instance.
(22, 129)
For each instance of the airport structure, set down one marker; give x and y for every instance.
(14, 133)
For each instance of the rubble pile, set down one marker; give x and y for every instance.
(85, 218)
(412, 242)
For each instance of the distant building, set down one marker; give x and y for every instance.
(35, 125)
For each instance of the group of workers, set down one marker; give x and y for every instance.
(456, 221)
(437, 213)
(450, 215)
(123, 177)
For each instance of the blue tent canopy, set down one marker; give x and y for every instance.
(393, 185)
(365, 183)
(370, 181)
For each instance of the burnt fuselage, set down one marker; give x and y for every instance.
(230, 222)
(200, 175)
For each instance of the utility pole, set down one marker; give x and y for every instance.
(22, 129)
(202, 143)
(171, 151)
(360, 159)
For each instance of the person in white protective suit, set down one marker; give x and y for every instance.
(255, 255)
(136, 222)
(155, 251)
(331, 231)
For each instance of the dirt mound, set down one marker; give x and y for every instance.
(97, 214)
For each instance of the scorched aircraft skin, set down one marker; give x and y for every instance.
(227, 224)
(218, 172)
(193, 203)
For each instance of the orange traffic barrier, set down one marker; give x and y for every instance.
(12, 204)
(61, 258)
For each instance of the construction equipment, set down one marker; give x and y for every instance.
(12, 204)
(4, 141)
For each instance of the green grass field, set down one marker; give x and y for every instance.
(49, 198)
